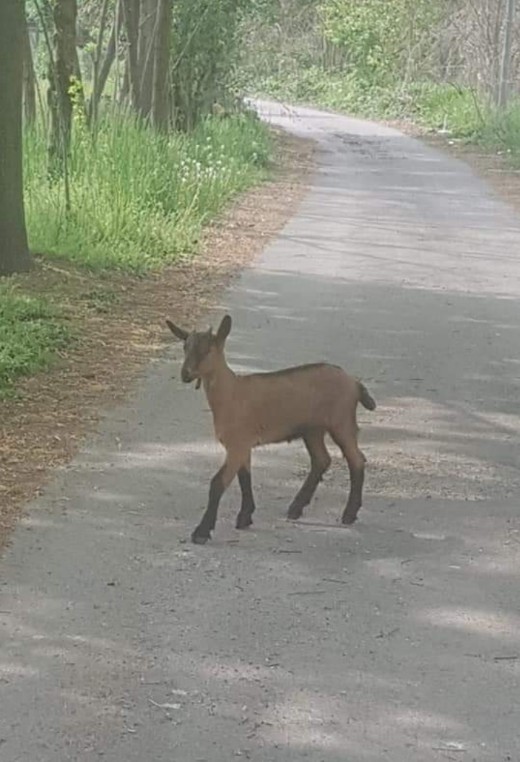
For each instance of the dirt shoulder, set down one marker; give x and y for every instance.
(119, 323)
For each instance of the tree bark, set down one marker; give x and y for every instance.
(147, 32)
(92, 110)
(29, 81)
(504, 85)
(108, 60)
(160, 96)
(14, 253)
(60, 76)
(131, 14)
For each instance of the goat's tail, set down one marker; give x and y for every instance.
(365, 397)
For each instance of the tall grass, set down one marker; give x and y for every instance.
(139, 199)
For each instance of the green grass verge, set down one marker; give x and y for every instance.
(31, 331)
(139, 199)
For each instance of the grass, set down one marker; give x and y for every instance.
(139, 199)
(31, 331)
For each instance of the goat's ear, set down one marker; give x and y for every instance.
(224, 329)
(179, 332)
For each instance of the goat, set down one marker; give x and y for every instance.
(303, 402)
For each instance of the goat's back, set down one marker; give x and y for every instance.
(278, 406)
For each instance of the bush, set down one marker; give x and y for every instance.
(446, 107)
(502, 131)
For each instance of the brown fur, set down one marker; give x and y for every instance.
(304, 402)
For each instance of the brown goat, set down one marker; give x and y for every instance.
(305, 402)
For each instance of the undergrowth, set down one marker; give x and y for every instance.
(139, 199)
(31, 331)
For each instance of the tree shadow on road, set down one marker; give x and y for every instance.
(398, 639)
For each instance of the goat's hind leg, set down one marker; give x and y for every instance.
(244, 518)
(347, 442)
(314, 441)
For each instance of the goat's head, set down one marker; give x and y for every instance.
(201, 349)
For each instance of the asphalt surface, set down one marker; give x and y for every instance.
(398, 639)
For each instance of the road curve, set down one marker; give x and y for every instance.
(398, 639)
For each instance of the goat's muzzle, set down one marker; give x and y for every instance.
(188, 378)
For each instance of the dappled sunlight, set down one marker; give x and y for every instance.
(236, 671)
(396, 638)
(12, 669)
(391, 568)
(498, 422)
(324, 722)
(504, 627)
(497, 565)
(415, 719)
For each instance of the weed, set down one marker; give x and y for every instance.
(101, 300)
(31, 331)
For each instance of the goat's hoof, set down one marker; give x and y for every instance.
(199, 537)
(348, 518)
(293, 514)
(243, 522)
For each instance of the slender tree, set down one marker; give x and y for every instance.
(131, 16)
(504, 84)
(160, 95)
(29, 80)
(14, 253)
(61, 74)
(106, 64)
(148, 28)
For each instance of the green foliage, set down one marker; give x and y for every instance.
(31, 331)
(377, 35)
(139, 199)
(203, 56)
(336, 90)
(501, 131)
(445, 107)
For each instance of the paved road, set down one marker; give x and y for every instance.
(396, 640)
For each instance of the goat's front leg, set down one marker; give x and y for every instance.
(218, 486)
(244, 518)
(320, 461)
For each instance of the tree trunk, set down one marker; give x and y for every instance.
(14, 253)
(160, 97)
(92, 110)
(504, 85)
(148, 29)
(131, 14)
(60, 76)
(105, 67)
(29, 81)
(125, 85)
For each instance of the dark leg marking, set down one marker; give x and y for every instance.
(244, 518)
(320, 461)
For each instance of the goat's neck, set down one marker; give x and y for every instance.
(219, 384)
